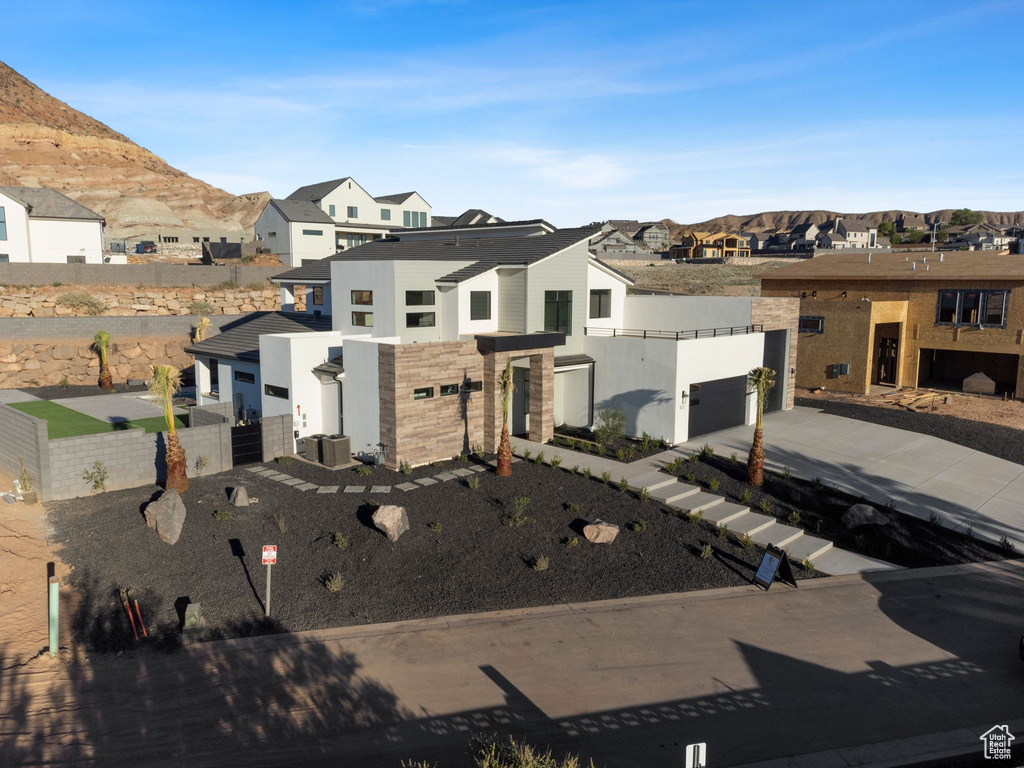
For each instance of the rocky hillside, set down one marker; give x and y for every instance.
(46, 143)
(770, 220)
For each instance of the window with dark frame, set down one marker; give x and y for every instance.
(271, 391)
(419, 319)
(312, 231)
(601, 303)
(473, 386)
(970, 307)
(558, 312)
(449, 389)
(385, 214)
(995, 308)
(245, 377)
(318, 295)
(479, 305)
(330, 211)
(362, 297)
(980, 308)
(423, 393)
(811, 324)
(419, 298)
(214, 376)
(362, 319)
(76, 259)
(353, 212)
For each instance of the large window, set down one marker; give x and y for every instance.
(362, 319)
(419, 298)
(601, 303)
(419, 320)
(354, 240)
(353, 212)
(318, 295)
(362, 297)
(811, 324)
(385, 214)
(315, 232)
(414, 218)
(558, 312)
(479, 305)
(271, 391)
(3, 224)
(972, 307)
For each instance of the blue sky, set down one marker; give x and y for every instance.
(572, 111)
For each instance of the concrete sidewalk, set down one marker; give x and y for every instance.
(833, 669)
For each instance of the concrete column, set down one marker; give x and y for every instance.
(287, 298)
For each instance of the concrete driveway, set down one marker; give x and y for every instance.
(920, 474)
(115, 408)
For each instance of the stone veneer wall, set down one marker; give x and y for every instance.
(439, 427)
(120, 301)
(778, 314)
(542, 394)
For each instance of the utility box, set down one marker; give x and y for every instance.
(313, 448)
(337, 451)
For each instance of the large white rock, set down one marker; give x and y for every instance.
(239, 496)
(391, 520)
(863, 514)
(600, 532)
(167, 516)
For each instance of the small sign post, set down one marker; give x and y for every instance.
(774, 563)
(696, 755)
(269, 559)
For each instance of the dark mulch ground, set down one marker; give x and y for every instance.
(623, 449)
(475, 562)
(994, 439)
(906, 540)
(57, 392)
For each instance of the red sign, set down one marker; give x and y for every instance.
(270, 554)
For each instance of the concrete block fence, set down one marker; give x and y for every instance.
(23, 437)
(278, 439)
(128, 327)
(158, 274)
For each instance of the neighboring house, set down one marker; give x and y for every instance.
(43, 226)
(614, 243)
(421, 329)
(801, 237)
(983, 237)
(711, 245)
(296, 231)
(911, 222)
(837, 233)
(931, 322)
(757, 241)
(470, 218)
(649, 235)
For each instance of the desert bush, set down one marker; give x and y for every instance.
(609, 425)
(222, 514)
(807, 564)
(82, 302)
(638, 526)
(706, 552)
(648, 442)
(478, 451)
(518, 517)
(674, 465)
(473, 482)
(606, 477)
(787, 472)
(723, 531)
(745, 496)
(586, 472)
(364, 470)
(695, 517)
(572, 541)
(693, 458)
(935, 519)
(623, 485)
(201, 308)
(284, 459)
(706, 451)
(620, 454)
(572, 508)
(64, 383)
(96, 476)
(256, 286)
(540, 563)
(436, 527)
(1006, 544)
(338, 539)
(794, 518)
(644, 494)
(691, 478)
(539, 459)
(462, 458)
(491, 754)
(746, 541)
(227, 285)
(713, 484)
(280, 520)
(732, 457)
(765, 506)
(201, 463)
(334, 582)
(406, 468)
(556, 461)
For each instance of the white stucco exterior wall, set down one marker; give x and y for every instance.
(360, 393)
(465, 326)
(685, 313)
(287, 360)
(15, 246)
(53, 240)
(597, 280)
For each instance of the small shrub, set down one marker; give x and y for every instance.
(463, 458)
(673, 466)
(606, 477)
(818, 525)
(283, 459)
(572, 508)
(631, 453)
(859, 541)
(745, 496)
(723, 531)
(540, 458)
(280, 520)
(819, 485)
(227, 285)
(691, 478)
(1006, 544)
(969, 530)
(556, 461)
(695, 517)
(623, 485)
(256, 286)
(473, 482)
(576, 469)
(807, 564)
(746, 541)
(435, 527)
(222, 514)
(647, 442)
(713, 484)
(693, 458)
(586, 472)
(706, 552)
(437, 464)
(935, 519)
(201, 308)
(620, 454)
(84, 303)
(609, 425)
(334, 582)
(25, 480)
(765, 506)
(364, 471)
(527, 453)
(794, 518)
(787, 473)
(97, 476)
(571, 444)
(406, 468)
(338, 539)
(644, 494)
(597, 448)
(520, 503)
(63, 383)
(572, 541)
(518, 517)
(478, 451)
(706, 451)
(540, 563)
(638, 526)
(201, 463)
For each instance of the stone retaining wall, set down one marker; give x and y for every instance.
(120, 301)
(156, 274)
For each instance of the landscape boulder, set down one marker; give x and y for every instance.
(239, 496)
(391, 520)
(166, 515)
(863, 514)
(600, 532)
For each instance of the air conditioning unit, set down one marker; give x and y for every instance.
(337, 450)
(313, 449)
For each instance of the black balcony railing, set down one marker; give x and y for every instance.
(703, 333)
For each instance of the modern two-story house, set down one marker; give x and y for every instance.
(42, 225)
(420, 330)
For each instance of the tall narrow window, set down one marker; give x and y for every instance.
(601, 303)
(406, 219)
(995, 308)
(970, 307)
(318, 295)
(330, 211)
(558, 312)
(479, 305)
(214, 376)
(946, 312)
(3, 224)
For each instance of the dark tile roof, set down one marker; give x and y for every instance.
(398, 199)
(626, 226)
(333, 367)
(241, 340)
(481, 254)
(455, 225)
(313, 192)
(442, 221)
(49, 204)
(301, 211)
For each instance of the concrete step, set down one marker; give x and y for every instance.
(778, 534)
(807, 546)
(673, 492)
(698, 502)
(725, 512)
(651, 481)
(751, 523)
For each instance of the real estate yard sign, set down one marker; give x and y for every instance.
(269, 559)
(774, 563)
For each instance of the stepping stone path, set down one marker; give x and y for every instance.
(306, 487)
(444, 477)
(380, 489)
(407, 486)
(327, 489)
(354, 488)
(302, 485)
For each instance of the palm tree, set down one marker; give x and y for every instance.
(759, 382)
(202, 326)
(164, 386)
(100, 344)
(505, 381)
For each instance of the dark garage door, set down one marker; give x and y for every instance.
(717, 404)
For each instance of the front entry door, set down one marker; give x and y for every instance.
(888, 349)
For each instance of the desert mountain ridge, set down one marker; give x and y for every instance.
(46, 143)
(779, 220)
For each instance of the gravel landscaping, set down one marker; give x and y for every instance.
(818, 509)
(624, 449)
(466, 550)
(994, 439)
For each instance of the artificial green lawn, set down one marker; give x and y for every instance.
(65, 422)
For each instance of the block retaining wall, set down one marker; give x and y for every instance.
(156, 274)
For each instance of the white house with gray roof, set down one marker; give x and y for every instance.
(43, 226)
